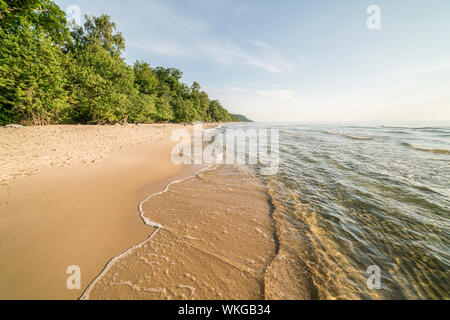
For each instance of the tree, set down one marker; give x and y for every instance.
(143, 109)
(102, 86)
(218, 113)
(196, 102)
(17, 15)
(164, 108)
(145, 79)
(99, 31)
(204, 105)
(32, 63)
(195, 87)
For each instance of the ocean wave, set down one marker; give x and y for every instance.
(441, 129)
(433, 150)
(348, 135)
(357, 137)
(398, 132)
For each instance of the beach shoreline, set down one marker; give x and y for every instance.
(213, 238)
(79, 213)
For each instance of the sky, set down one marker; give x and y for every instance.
(296, 61)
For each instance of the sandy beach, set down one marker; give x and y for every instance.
(69, 196)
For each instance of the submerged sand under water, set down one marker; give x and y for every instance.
(217, 241)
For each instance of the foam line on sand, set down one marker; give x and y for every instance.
(147, 221)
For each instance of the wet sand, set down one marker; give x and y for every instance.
(215, 242)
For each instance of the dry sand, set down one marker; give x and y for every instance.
(29, 150)
(80, 208)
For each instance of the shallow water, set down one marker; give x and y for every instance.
(211, 237)
(351, 196)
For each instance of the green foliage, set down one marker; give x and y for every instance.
(32, 78)
(145, 79)
(218, 113)
(50, 75)
(102, 87)
(99, 31)
(16, 15)
(240, 118)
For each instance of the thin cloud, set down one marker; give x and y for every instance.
(279, 94)
(237, 89)
(421, 70)
(165, 17)
(264, 57)
(191, 37)
(163, 48)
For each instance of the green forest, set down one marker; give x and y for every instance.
(56, 72)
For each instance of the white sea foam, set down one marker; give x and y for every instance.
(191, 289)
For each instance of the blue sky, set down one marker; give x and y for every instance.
(297, 60)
